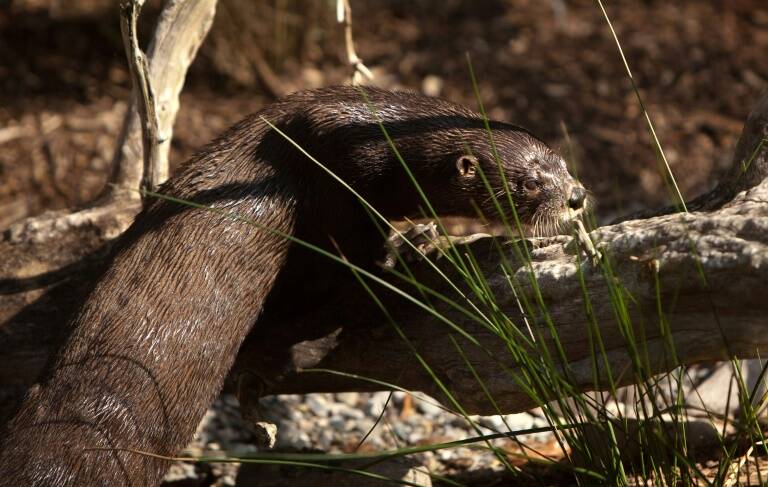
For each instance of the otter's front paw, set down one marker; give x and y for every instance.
(420, 241)
(583, 242)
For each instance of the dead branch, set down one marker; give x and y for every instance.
(180, 30)
(143, 96)
(709, 321)
(344, 17)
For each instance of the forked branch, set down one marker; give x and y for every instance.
(143, 96)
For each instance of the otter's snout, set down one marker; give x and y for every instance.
(577, 197)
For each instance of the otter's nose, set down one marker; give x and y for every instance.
(576, 200)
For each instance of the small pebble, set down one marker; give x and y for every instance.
(317, 404)
(351, 399)
(428, 407)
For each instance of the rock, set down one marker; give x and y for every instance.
(338, 423)
(415, 437)
(266, 434)
(351, 399)
(428, 406)
(376, 403)
(494, 423)
(398, 397)
(363, 426)
(294, 415)
(401, 430)
(353, 413)
(325, 439)
(317, 404)
(181, 475)
(291, 437)
(432, 85)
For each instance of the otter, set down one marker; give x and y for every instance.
(153, 343)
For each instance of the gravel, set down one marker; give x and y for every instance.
(337, 423)
(347, 423)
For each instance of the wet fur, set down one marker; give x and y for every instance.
(154, 341)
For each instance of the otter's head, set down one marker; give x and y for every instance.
(545, 196)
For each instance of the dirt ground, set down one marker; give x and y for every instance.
(549, 65)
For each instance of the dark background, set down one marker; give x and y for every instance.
(549, 65)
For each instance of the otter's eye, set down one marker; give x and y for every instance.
(531, 185)
(467, 166)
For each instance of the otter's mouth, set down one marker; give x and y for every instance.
(547, 223)
(557, 218)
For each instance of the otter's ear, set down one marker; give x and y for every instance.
(467, 166)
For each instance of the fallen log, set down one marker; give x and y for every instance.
(721, 315)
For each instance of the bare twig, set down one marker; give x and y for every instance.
(344, 17)
(13, 132)
(142, 91)
(181, 28)
(735, 467)
(586, 242)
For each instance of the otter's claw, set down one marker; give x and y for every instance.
(424, 241)
(589, 247)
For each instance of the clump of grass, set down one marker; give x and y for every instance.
(591, 431)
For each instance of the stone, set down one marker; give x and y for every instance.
(351, 399)
(317, 404)
(428, 406)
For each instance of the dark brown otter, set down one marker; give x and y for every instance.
(154, 341)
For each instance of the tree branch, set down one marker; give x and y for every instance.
(181, 29)
(143, 96)
(707, 271)
(359, 70)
